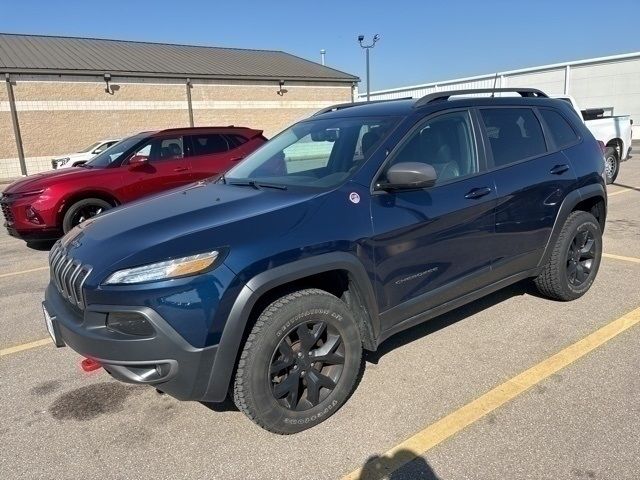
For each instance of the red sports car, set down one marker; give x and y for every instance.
(46, 205)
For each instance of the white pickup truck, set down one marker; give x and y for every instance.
(614, 132)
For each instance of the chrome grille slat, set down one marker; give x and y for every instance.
(68, 275)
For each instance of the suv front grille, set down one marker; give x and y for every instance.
(6, 210)
(68, 275)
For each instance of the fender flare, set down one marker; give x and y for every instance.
(230, 342)
(567, 206)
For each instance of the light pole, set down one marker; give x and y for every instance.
(376, 37)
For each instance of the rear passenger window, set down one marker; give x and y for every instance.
(560, 130)
(236, 140)
(209, 144)
(514, 134)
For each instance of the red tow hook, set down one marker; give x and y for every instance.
(89, 365)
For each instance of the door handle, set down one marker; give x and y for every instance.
(478, 192)
(237, 159)
(559, 169)
(180, 169)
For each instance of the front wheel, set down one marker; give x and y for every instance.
(83, 210)
(300, 362)
(611, 164)
(575, 259)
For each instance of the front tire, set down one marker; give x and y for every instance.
(611, 164)
(83, 210)
(300, 362)
(575, 259)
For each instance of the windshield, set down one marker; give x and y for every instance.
(89, 148)
(112, 153)
(314, 153)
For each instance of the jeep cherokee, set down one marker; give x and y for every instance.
(352, 225)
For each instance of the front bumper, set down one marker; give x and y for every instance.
(20, 226)
(164, 359)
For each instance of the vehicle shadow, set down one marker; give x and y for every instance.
(401, 465)
(41, 245)
(407, 336)
(400, 339)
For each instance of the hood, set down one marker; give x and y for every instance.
(75, 156)
(39, 181)
(178, 223)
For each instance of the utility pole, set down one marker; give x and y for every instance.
(376, 37)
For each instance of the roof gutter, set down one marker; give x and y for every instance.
(175, 76)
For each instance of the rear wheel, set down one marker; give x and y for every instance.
(300, 362)
(611, 164)
(83, 210)
(575, 259)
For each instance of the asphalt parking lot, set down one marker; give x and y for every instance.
(450, 391)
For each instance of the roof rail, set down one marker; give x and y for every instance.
(445, 95)
(342, 106)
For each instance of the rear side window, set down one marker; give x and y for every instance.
(236, 140)
(561, 131)
(208, 144)
(514, 134)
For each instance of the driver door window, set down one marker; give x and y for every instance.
(445, 142)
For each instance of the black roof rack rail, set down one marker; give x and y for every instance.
(445, 95)
(342, 106)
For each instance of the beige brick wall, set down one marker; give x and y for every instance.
(34, 90)
(62, 116)
(269, 120)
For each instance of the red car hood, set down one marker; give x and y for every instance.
(38, 181)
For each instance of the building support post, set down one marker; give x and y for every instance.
(189, 105)
(567, 79)
(16, 124)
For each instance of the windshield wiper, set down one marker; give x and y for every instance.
(256, 185)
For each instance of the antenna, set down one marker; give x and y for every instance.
(495, 81)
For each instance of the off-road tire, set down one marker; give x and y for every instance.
(553, 281)
(252, 390)
(68, 221)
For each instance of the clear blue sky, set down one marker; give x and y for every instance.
(421, 41)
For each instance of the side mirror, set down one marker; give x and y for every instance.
(138, 161)
(97, 151)
(409, 176)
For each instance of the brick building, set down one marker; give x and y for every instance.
(62, 94)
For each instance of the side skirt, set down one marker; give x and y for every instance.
(453, 304)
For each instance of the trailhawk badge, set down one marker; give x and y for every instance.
(354, 197)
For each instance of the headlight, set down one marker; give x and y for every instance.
(178, 267)
(30, 193)
(62, 161)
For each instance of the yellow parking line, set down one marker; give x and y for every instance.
(31, 270)
(618, 192)
(453, 423)
(621, 257)
(24, 346)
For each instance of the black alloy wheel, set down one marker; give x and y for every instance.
(85, 213)
(580, 257)
(306, 365)
(83, 210)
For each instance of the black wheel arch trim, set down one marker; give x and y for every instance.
(567, 206)
(232, 335)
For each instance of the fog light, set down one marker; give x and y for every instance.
(33, 216)
(129, 323)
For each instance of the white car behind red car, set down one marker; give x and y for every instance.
(83, 156)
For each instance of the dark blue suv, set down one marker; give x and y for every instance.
(346, 228)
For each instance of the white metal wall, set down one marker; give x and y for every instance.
(600, 82)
